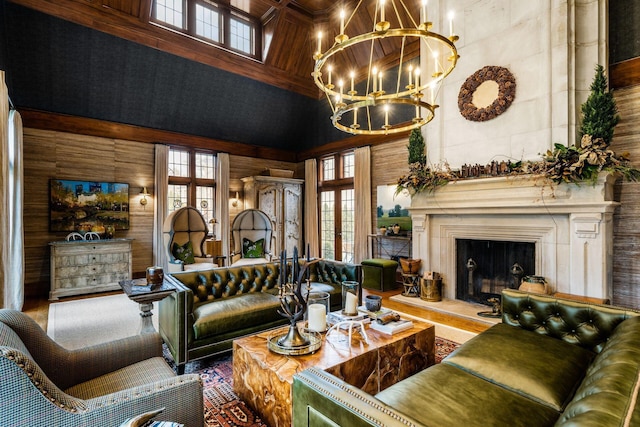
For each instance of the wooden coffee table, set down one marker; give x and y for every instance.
(263, 379)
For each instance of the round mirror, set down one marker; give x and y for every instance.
(486, 94)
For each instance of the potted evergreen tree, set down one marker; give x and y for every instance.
(417, 148)
(599, 112)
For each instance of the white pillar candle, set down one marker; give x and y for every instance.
(375, 79)
(319, 42)
(386, 116)
(351, 303)
(317, 317)
(424, 10)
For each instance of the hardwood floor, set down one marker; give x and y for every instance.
(38, 309)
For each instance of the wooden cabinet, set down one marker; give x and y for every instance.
(281, 200)
(83, 267)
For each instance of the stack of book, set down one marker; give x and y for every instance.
(373, 314)
(392, 327)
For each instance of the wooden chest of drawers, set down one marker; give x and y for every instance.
(83, 267)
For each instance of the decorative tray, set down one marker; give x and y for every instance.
(315, 342)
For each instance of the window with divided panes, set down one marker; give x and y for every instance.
(192, 181)
(211, 22)
(337, 206)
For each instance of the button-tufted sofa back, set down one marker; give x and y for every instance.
(223, 282)
(584, 324)
(209, 285)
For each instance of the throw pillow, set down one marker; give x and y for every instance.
(184, 253)
(252, 249)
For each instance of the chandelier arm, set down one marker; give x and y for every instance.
(404, 6)
(346, 24)
(368, 91)
(333, 109)
(404, 39)
(368, 118)
(395, 9)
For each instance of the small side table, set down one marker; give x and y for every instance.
(138, 291)
(411, 283)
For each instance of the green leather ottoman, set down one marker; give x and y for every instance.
(379, 273)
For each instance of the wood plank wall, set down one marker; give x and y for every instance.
(388, 163)
(626, 232)
(49, 154)
(52, 154)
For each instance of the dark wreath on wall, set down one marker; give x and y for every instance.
(506, 93)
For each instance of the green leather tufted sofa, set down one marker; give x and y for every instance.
(213, 307)
(551, 362)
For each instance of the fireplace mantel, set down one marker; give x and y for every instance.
(571, 226)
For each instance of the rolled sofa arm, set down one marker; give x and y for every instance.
(321, 399)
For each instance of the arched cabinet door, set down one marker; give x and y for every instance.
(281, 200)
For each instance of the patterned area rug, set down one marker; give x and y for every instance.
(222, 408)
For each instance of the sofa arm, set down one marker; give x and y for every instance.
(321, 399)
(174, 320)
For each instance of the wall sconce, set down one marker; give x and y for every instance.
(235, 201)
(144, 194)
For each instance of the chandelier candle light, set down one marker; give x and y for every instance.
(386, 106)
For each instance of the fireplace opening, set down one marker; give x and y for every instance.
(485, 267)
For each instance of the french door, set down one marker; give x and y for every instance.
(337, 218)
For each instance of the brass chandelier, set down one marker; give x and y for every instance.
(395, 96)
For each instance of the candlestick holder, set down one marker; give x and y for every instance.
(293, 305)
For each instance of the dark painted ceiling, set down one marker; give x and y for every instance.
(57, 61)
(57, 66)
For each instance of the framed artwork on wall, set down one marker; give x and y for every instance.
(86, 206)
(392, 211)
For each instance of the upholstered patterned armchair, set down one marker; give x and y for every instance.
(185, 231)
(44, 384)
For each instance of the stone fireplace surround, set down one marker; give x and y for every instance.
(570, 225)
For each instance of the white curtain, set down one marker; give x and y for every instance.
(362, 189)
(222, 202)
(160, 213)
(11, 204)
(311, 229)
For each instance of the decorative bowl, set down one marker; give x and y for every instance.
(410, 266)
